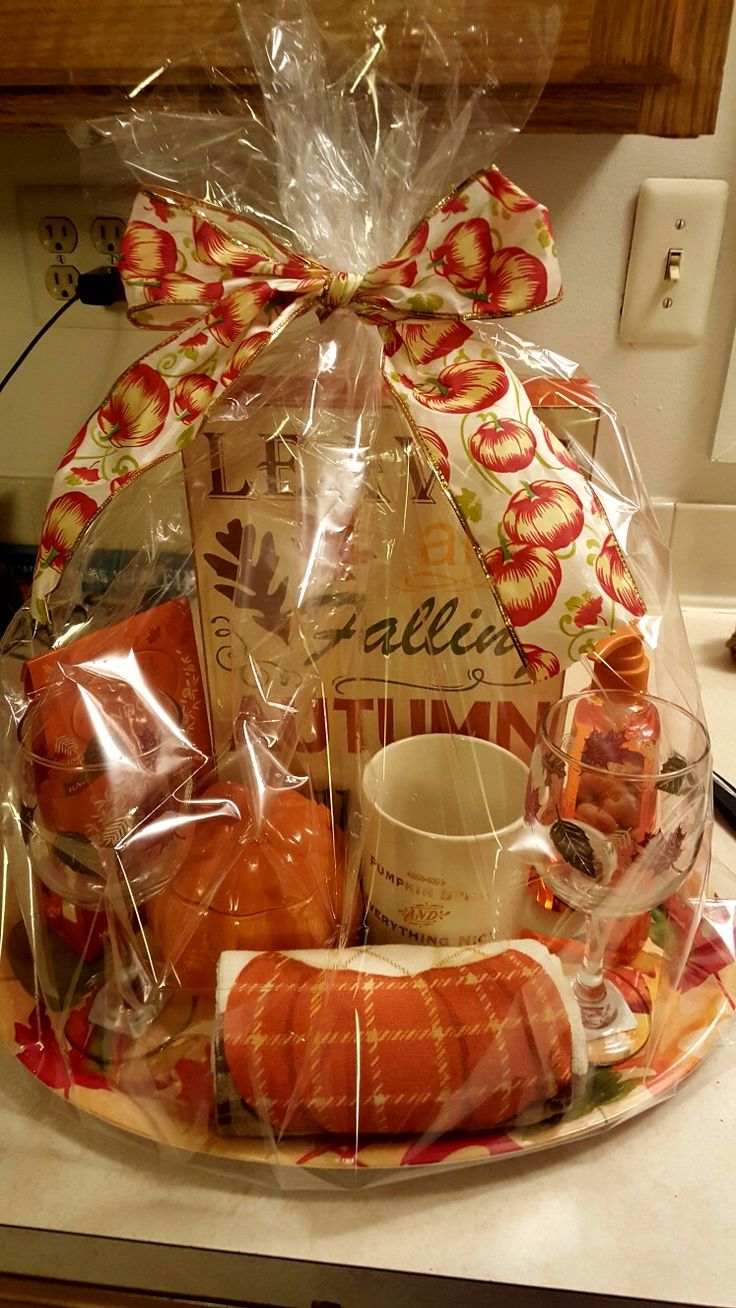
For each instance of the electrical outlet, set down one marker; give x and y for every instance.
(106, 234)
(61, 280)
(57, 235)
(63, 237)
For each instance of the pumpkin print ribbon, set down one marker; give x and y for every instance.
(227, 288)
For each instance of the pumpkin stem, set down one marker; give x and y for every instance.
(46, 563)
(503, 539)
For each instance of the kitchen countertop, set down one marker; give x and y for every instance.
(645, 1211)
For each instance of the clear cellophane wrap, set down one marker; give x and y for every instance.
(340, 505)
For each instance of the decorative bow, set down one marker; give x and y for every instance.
(229, 288)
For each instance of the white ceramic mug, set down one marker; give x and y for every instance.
(440, 814)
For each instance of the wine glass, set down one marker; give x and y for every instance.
(106, 775)
(616, 807)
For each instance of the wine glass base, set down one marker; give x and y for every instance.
(623, 1035)
(116, 1051)
(111, 1011)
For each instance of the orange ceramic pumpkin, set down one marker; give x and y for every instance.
(283, 888)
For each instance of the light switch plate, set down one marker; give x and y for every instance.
(673, 215)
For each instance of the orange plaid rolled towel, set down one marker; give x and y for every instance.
(398, 1040)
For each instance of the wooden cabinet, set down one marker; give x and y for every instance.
(33, 1292)
(649, 66)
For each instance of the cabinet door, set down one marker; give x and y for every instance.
(651, 66)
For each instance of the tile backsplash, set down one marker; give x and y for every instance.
(702, 538)
(702, 543)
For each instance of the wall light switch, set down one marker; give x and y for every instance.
(672, 262)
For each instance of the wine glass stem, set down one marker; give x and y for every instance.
(590, 987)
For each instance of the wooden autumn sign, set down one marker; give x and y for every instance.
(340, 593)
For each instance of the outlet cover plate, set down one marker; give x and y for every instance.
(38, 203)
(673, 215)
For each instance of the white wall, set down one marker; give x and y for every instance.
(70, 370)
(669, 399)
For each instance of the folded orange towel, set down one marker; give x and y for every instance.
(320, 1048)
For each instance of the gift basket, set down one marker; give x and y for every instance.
(356, 790)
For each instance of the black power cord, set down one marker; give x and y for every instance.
(100, 286)
(24, 355)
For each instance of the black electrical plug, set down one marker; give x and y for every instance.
(100, 286)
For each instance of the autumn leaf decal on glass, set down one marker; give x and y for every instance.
(249, 581)
(662, 849)
(602, 748)
(553, 766)
(531, 802)
(675, 766)
(573, 844)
